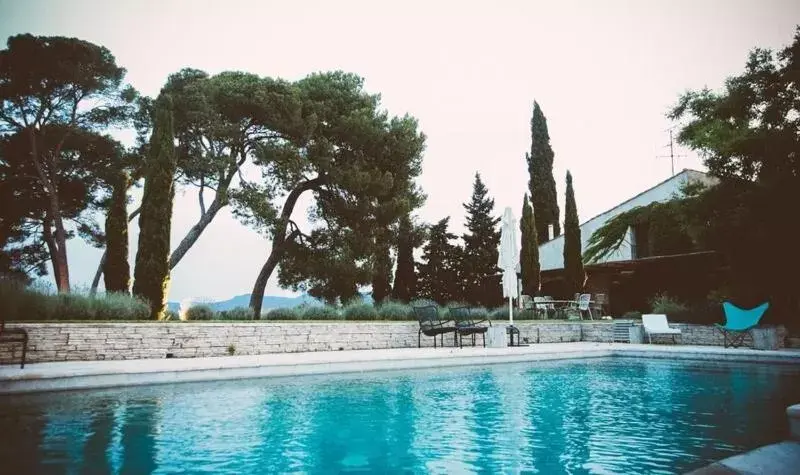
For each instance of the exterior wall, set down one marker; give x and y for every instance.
(116, 341)
(551, 253)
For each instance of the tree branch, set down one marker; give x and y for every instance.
(200, 196)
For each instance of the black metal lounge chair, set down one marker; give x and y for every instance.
(467, 325)
(431, 324)
(14, 335)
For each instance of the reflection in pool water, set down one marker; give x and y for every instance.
(589, 416)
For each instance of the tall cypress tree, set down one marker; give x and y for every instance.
(480, 245)
(151, 275)
(529, 250)
(542, 184)
(438, 273)
(405, 278)
(116, 269)
(574, 274)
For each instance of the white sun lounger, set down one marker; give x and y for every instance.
(656, 324)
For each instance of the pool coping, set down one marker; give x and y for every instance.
(61, 376)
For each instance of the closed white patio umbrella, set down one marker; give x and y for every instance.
(508, 259)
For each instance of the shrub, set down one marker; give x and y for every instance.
(524, 314)
(320, 312)
(422, 303)
(360, 311)
(283, 314)
(395, 311)
(238, 313)
(480, 313)
(171, 315)
(74, 307)
(663, 303)
(120, 306)
(18, 302)
(200, 312)
(500, 313)
(632, 315)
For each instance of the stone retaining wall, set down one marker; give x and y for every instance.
(114, 341)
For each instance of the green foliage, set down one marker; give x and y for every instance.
(542, 185)
(748, 137)
(321, 312)
(382, 268)
(438, 278)
(283, 314)
(231, 349)
(327, 265)
(395, 311)
(200, 312)
(632, 315)
(116, 270)
(499, 313)
(20, 303)
(574, 274)
(152, 257)
(409, 237)
(58, 94)
(529, 251)
(359, 165)
(480, 244)
(171, 316)
(668, 225)
(663, 303)
(360, 311)
(238, 313)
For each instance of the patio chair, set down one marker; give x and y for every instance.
(542, 308)
(600, 302)
(656, 324)
(431, 324)
(739, 322)
(14, 335)
(467, 325)
(583, 305)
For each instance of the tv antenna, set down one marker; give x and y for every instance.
(671, 155)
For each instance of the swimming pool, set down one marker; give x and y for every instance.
(600, 415)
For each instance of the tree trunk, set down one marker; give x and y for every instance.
(52, 249)
(57, 244)
(276, 253)
(194, 234)
(99, 272)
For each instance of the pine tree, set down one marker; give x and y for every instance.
(480, 244)
(574, 274)
(405, 278)
(542, 184)
(116, 269)
(529, 250)
(152, 258)
(438, 273)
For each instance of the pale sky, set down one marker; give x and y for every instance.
(605, 74)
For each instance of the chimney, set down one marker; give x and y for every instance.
(549, 232)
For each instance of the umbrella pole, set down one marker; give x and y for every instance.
(510, 310)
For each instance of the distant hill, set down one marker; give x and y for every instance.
(269, 302)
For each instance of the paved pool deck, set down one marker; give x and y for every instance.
(41, 377)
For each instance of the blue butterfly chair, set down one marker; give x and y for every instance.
(739, 322)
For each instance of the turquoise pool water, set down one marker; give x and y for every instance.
(611, 415)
